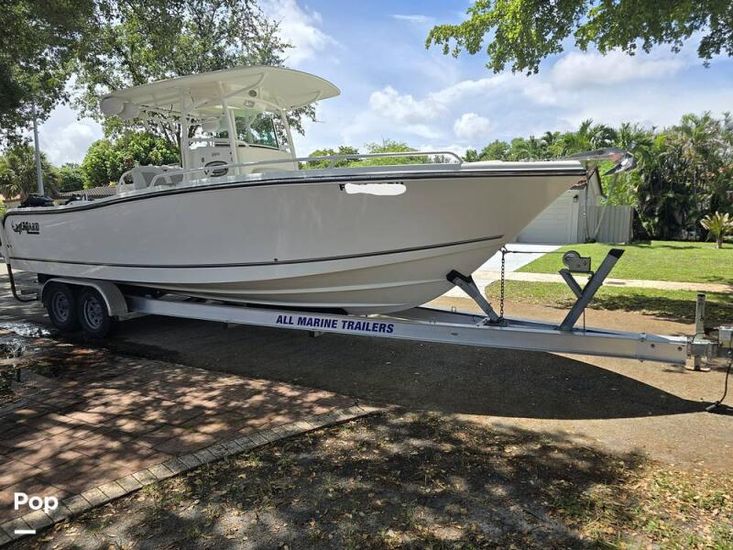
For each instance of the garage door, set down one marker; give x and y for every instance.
(556, 224)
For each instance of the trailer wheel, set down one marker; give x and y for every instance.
(60, 302)
(93, 316)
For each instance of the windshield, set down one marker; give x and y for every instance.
(255, 128)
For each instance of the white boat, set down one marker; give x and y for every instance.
(243, 219)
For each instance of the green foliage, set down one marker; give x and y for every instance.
(719, 225)
(683, 172)
(521, 33)
(387, 146)
(148, 40)
(322, 164)
(471, 155)
(18, 172)
(496, 150)
(37, 42)
(106, 160)
(112, 44)
(390, 146)
(70, 178)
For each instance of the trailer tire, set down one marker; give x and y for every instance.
(93, 315)
(60, 302)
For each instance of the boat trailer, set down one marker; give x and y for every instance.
(421, 323)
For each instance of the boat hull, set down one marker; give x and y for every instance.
(301, 243)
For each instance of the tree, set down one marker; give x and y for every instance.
(496, 150)
(106, 160)
(471, 155)
(522, 33)
(148, 40)
(700, 140)
(112, 44)
(320, 164)
(70, 178)
(18, 172)
(719, 225)
(391, 146)
(37, 43)
(527, 149)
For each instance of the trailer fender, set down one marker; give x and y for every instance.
(113, 298)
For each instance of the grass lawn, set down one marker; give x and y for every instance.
(417, 480)
(658, 261)
(676, 305)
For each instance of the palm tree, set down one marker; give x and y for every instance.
(578, 141)
(600, 136)
(702, 145)
(18, 172)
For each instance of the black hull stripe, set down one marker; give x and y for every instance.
(314, 180)
(260, 264)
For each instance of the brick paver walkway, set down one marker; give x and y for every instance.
(98, 417)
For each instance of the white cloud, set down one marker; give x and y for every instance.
(472, 127)
(579, 70)
(574, 84)
(403, 108)
(300, 28)
(423, 131)
(64, 138)
(417, 19)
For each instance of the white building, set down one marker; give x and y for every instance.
(577, 216)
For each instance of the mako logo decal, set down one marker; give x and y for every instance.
(32, 228)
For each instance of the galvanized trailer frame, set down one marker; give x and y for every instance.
(423, 323)
(435, 325)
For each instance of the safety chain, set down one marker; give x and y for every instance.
(504, 252)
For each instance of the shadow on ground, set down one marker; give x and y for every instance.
(425, 376)
(681, 311)
(407, 480)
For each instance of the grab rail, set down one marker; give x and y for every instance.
(168, 174)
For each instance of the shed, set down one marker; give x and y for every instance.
(577, 216)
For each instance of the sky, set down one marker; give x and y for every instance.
(393, 88)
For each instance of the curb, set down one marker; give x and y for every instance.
(107, 492)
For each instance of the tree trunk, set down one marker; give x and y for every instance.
(719, 242)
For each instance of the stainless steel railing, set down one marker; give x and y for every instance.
(168, 175)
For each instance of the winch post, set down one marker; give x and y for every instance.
(467, 285)
(589, 290)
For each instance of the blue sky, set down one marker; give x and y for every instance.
(393, 88)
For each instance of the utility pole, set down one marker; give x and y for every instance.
(39, 172)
